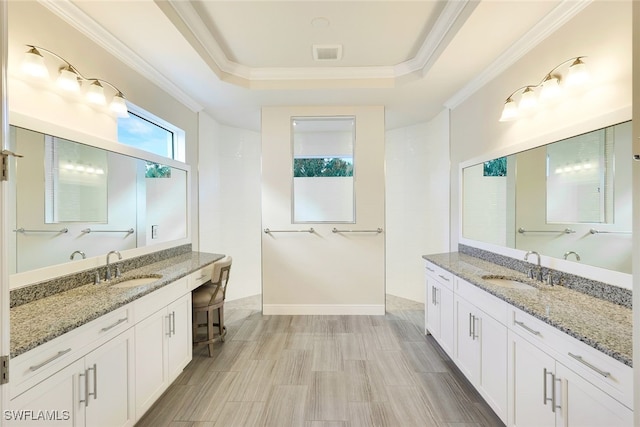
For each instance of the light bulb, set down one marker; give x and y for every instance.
(33, 64)
(119, 106)
(528, 100)
(68, 80)
(95, 94)
(510, 111)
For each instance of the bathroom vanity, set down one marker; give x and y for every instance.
(539, 355)
(101, 354)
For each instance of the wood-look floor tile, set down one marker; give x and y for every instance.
(327, 424)
(372, 414)
(209, 399)
(285, 407)
(269, 346)
(327, 355)
(251, 330)
(293, 368)
(410, 407)
(300, 341)
(165, 409)
(387, 339)
(364, 381)
(406, 331)
(253, 381)
(275, 324)
(353, 346)
(240, 414)
(191, 424)
(422, 357)
(394, 368)
(445, 397)
(327, 398)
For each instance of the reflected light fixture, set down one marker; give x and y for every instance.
(550, 89)
(70, 79)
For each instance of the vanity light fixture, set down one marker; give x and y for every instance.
(70, 79)
(550, 89)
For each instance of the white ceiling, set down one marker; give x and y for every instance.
(231, 57)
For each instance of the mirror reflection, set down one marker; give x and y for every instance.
(73, 198)
(323, 169)
(571, 195)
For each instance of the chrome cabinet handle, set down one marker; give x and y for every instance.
(470, 322)
(168, 317)
(559, 381)
(435, 296)
(49, 360)
(584, 362)
(106, 328)
(475, 335)
(553, 392)
(525, 327)
(95, 383)
(443, 277)
(546, 399)
(86, 397)
(173, 322)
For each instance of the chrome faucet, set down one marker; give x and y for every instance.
(107, 275)
(566, 255)
(538, 275)
(79, 253)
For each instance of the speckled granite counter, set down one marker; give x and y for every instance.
(601, 324)
(42, 320)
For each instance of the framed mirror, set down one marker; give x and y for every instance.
(323, 169)
(85, 200)
(570, 195)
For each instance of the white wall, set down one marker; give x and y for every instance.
(417, 202)
(602, 33)
(229, 193)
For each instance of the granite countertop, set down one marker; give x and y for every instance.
(601, 324)
(42, 320)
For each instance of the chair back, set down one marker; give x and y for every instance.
(220, 275)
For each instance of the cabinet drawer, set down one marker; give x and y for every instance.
(145, 307)
(611, 376)
(441, 275)
(486, 302)
(199, 277)
(30, 368)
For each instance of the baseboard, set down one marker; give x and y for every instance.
(323, 309)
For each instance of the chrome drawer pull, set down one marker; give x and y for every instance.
(49, 360)
(431, 270)
(95, 383)
(443, 277)
(584, 362)
(106, 328)
(522, 325)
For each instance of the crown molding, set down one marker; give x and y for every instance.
(71, 14)
(543, 29)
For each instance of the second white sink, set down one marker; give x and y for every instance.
(137, 281)
(507, 282)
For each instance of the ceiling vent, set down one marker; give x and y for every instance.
(327, 52)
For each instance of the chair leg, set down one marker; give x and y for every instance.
(194, 326)
(221, 327)
(210, 330)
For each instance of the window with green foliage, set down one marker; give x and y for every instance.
(496, 167)
(322, 167)
(156, 170)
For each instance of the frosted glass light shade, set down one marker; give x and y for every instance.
(95, 94)
(528, 100)
(510, 111)
(119, 106)
(68, 80)
(33, 64)
(550, 89)
(578, 73)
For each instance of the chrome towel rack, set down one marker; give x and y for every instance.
(23, 231)
(594, 231)
(565, 231)
(89, 230)
(377, 230)
(269, 231)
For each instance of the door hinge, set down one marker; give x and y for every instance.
(4, 173)
(4, 369)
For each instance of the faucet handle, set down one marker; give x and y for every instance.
(118, 272)
(530, 273)
(549, 279)
(96, 278)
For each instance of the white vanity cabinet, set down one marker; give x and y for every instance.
(96, 390)
(557, 381)
(481, 343)
(162, 342)
(439, 317)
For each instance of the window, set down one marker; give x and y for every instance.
(147, 132)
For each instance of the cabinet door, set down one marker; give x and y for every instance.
(150, 361)
(57, 399)
(180, 341)
(447, 319)
(467, 340)
(110, 374)
(531, 390)
(493, 363)
(585, 405)
(432, 317)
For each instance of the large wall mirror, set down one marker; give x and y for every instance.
(570, 195)
(323, 169)
(74, 198)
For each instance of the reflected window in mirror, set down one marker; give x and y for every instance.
(323, 169)
(143, 130)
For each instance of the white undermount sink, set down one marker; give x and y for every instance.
(507, 282)
(136, 281)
